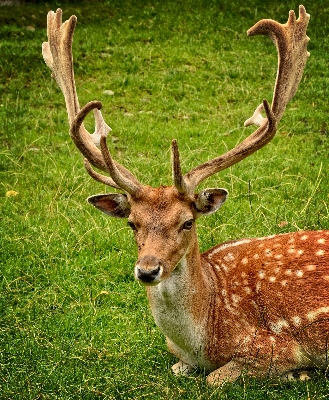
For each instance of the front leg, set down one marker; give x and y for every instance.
(182, 368)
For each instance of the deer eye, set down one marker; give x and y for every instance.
(132, 226)
(188, 224)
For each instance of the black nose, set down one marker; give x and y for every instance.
(147, 275)
(148, 269)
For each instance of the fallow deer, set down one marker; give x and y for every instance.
(257, 305)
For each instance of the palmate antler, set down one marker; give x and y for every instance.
(57, 53)
(291, 42)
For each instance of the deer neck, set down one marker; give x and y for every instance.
(182, 281)
(179, 305)
(174, 296)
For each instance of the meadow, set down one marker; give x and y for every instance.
(74, 324)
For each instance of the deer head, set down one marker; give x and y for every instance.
(163, 219)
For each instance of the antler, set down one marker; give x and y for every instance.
(57, 53)
(291, 42)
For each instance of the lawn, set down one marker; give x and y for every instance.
(74, 324)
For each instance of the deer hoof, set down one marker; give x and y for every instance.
(182, 368)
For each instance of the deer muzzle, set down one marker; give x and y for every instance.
(148, 270)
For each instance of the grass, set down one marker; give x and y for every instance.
(74, 324)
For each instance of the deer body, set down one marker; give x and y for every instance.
(260, 305)
(257, 304)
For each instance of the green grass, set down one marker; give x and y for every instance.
(73, 322)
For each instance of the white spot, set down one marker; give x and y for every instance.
(278, 256)
(247, 290)
(258, 286)
(277, 245)
(235, 298)
(300, 252)
(224, 293)
(313, 314)
(326, 277)
(304, 237)
(272, 339)
(217, 267)
(291, 240)
(291, 250)
(229, 257)
(244, 260)
(321, 241)
(296, 320)
(224, 267)
(319, 253)
(283, 283)
(299, 273)
(277, 270)
(288, 272)
(272, 278)
(261, 245)
(311, 267)
(261, 274)
(243, 274)
(277, 327)
(256, 256)
(231, 309)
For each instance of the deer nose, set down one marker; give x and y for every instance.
(148, 269)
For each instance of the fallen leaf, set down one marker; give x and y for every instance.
(282, 224)
(11, 193)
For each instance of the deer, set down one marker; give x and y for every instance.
(255, 306)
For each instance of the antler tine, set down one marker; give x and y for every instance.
(57, 53)
(99, 177)
(121, 178)
(263, 135)
(291, 42)
(178, 178)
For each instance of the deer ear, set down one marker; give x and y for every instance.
(210, 200)
(113, 204)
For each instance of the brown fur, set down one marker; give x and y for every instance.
(271, 287)
(263, 303)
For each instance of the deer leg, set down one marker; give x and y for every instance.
(267, 355)
(184, 365)
(228, 373)
(182, 368)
